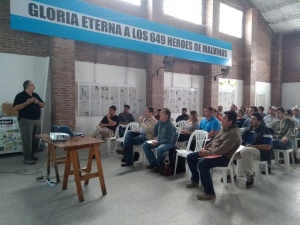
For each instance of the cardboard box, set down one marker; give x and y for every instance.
(7, 109)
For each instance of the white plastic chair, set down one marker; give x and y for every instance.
(181, 124)
(200, 137)
(256, 167)
(132, 126)
(108, 140)
(286, 158)
(230, 168)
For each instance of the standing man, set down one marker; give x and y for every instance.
(125, 118)
(138, 137)
(107, 126)
(164, 139)
(183, 116)
(223, 146)
(29, 105)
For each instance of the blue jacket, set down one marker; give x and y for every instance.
(165, 132)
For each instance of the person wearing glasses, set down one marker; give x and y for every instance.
(164, 139)
(29, 104)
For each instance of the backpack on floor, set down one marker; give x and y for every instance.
(180, 164)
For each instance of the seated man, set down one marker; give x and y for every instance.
(271, 118)
(210, 124)
(125, 118)
(224, 144)
(138, 137)
(251, 110)
(183, 116)
(108, 125)
(164, 139)
(157, 117)
(258, 141)
(284, 130)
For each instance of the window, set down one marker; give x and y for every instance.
(230, 21)
(189, 10)
(135, 2)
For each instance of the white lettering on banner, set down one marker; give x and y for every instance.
(65, 17)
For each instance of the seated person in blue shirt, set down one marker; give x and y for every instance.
(164, 139)
(258, 142)
(210, 124)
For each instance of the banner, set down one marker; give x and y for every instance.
(81, 21)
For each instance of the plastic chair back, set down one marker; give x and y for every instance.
(200, 137)
(181, 124)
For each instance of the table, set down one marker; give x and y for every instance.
(71, 147)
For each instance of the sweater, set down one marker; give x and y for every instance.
(225, 142)
(285, 128)
(148, 127)
(165, 132)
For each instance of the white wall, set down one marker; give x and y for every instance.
(236, 87)
(112, 76)
(265, 88)
(179, 80)
(15, 69)
(290, 95)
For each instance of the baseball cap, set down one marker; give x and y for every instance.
(296, 108)
(273, 107)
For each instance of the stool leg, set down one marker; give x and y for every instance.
(67, 171)
(100, 171)
(89, 164)
(74, 159)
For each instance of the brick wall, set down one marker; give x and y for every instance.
(18, 42)
(291, 58)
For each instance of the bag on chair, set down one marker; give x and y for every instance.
(180, 164)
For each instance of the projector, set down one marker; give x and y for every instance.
(57, 136)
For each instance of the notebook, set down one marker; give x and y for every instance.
(65, 129)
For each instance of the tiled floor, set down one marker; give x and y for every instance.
(135, 195)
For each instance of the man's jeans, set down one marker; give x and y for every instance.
(131, 139)
(160, 150)
(204, 165)
(278, 144)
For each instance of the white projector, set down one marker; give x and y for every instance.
(58, 136)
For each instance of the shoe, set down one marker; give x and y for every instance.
(156, 169)
(151, 166)
(122, 151)
(206, 197)
(34, 158)
(126, 164)
(29, 162)
(250, 181)
(229, 179)
(192, 184)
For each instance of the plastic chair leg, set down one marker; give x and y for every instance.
(176, 161)
(286, 156)
(108, 141)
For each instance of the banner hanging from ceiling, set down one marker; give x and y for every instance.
(81, 21)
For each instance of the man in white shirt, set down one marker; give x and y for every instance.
(271, 118)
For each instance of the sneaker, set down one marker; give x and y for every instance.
(250, 181)
(192, 184)
(126, 164)
(206, 197)
(151, 166)
(29, 162)
(229, 179)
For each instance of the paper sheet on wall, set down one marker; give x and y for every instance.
(123, 93)
(104, 93)
(116, 103)
(184, 95)
(122, 103)
(184, 105)
(195, 96)
(104, 107)
(114, 95)
(190, 106)
(189, 95)
(83, 108)
(172, 95)
(132, 107)
(84, 92)
(177, 108)
(166, 105)
(95, 92)
(260, 99)
(172, 106)
(132, 94)
(166, 95)
(178, 95)
(95, 108)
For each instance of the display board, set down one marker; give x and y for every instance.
(226, 99)
(10, 137)
(260, 99)
(177, 98)
(94, 99)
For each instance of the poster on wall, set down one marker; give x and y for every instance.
(189, 95)
(114, 94)
(132, 94)
(104, 107)
(95, 108)
(83, 108)
(172, 95)
(95, 92)
(123, 93)
(178, 95)
(84, 92)
(166, 95)
(132, 107)
(260, 99)
(184, 95)
(104, 93)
